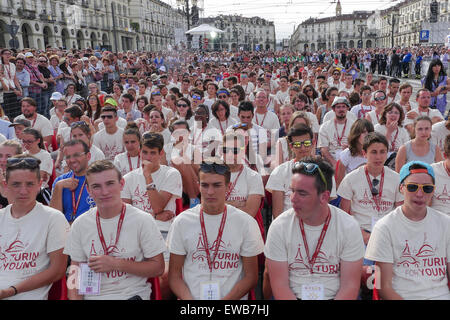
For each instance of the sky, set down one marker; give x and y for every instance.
(287, 14)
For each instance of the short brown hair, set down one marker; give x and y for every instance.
(102, 165)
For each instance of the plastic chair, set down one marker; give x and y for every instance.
(252, 295)
(58, 290)
(156, 289)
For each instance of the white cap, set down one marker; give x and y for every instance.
(56, 96)
(28, 55)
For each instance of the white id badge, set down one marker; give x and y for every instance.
(313, 291)
(89, 281)
(210, 290)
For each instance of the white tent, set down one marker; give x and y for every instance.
(204, 29)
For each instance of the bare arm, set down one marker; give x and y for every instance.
(277, 203)
(176, 282)
(149, 267)
(248, 281)
(350, 280)
(400, 159)
(345, 205)
(327, 155)
(385, 278)
(279, 280)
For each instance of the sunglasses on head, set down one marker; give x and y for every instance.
(78, 123)
(414, 187)
(310, 168)
(32, 162)
(243, 126)
(298, 144)
(214, 167)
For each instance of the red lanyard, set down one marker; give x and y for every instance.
(339, 139)
(8, 71)
(376, 198)
(218, 239)
(119, 228)
(199, 136)
(446, 169)
(262, 122)
(393, 141)
(233, 184)
(75, 205)
(364, 111)
(226, 126)
(319, 242)
(129, 162)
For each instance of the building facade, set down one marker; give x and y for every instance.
(116, 25)
(242, 33)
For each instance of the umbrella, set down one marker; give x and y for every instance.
(204, 28)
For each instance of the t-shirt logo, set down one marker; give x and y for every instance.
(14, 257)
(322, 264)
(224, 260)
(444, 196)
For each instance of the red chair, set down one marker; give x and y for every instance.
(156, 289)
(58, 290)
(252, 295)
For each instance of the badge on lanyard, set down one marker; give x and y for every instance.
(313, 291)
(210, 290)
(89, 281)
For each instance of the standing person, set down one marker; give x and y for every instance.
(48, 79)
(410, 245)
(438, 84)
(109, 139)
(419, 148)
(115, 239)
(70, 195)
(14, 92)
(299, 270)
(32, 235)
(214, 246)
(37, 83)
(57, 73)
(441, 197)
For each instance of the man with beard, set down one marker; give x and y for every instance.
(334, 132)
(38, 121)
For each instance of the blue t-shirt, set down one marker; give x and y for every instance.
(86, 202)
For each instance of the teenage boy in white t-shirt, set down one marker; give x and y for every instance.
(441, 196)
(109, 139)
(314, 250)
(213, 246)
(32, 236)
(411, 245)
(365, 106)
(115, 239)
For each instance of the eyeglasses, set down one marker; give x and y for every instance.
(222, 96)
(182, 105)
(106, 116)
(382, 98)
(414, 187)
(75, 155)
(336, 74)
(299, 144)
(214, 167)
(310, 168)
(235, 150)
(374, 189)
(32, 162)
(43, 61)
(196, 97)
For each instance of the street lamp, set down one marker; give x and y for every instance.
(191, 13)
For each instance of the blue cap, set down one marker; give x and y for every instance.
(405, 171)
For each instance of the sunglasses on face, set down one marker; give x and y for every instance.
(382, 98)
(235, 150)
(299, 144)
(196, 97)
(224, 96)
(214, 167)
(106, 116)
(310, 168)
(182, 105)
(414, 187)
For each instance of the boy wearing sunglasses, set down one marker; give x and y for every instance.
(214, 246)
(411, 245)
(32, 236)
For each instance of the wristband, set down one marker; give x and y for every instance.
(15, 290)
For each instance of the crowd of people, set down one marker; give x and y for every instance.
(318, 173)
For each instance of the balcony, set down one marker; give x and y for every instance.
(85, 3)
(26, 14)
(71, 2)
(6, 11)
(47, 17)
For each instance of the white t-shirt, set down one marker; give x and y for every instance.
(249, 182)
(328, 137)
(350, 162)
(268, 121)
(330, 115)
(110, 144)
(165, 178)
(241, 238)
(364, 208)
(360, 110)
(41, 123)
(418, 250)
(280, 180)
(438, 134)
(373, 117)
(441, 196)
(281, 96)
(139, 239)
(343, 242)
(122, 163)
(222, 125)
(25, 244)
(45, 165)
(121, 123)
(248, 88)
(431, 113)
(402, 136)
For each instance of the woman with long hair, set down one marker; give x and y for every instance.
(390, 126)
(330, 94)
(94, 108)
(310, 92)
(420, 147)
(57, 73)
(117, 92)
(352, 66)
(141, 102)
(437, 82)
(183, 112)
(352, 157)
(222, 117)
(68, 75)
(131, 158)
